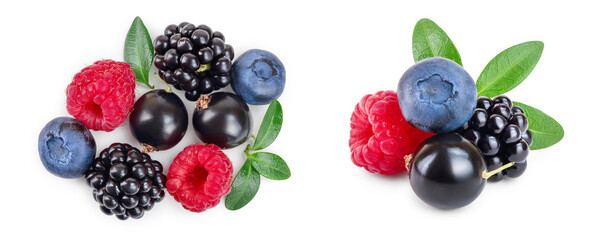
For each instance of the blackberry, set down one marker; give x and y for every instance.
(500, 131)
(126, 181)
(193, 58)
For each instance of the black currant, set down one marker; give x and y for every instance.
(446, 171)
(159, 120)
(222, 119)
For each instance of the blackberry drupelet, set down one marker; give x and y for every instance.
(193, 58)
(126, 181)
(500, 131)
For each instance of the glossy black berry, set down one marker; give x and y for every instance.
(501, 99)
(189, 62)
(521, 121)
(493, 163)
(171, 30)
(222, 119)
(488, 144)
(123, 187)
(446, 171)
(200, 37)
(505, 136)
(484, 103)
(516, 152)
(158, 120)
(511, 134)
(184, 45)
(516, 170)
(496, 123)
(479, 118)
(501, 109)
(205, 55)
(194, 59)
(161, 44)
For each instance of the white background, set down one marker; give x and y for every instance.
(334, 53)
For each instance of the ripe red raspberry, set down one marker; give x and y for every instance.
(380, 136)
(102, 95)
(199, 176)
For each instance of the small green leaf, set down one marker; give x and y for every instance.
(270, 126)
(138, 51)
(509, 68)
(546, 131)
(429, 40)
(270, 165)
(244, 187)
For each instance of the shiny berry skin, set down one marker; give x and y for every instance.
(189, 62)
(223, 119)
(484, 103)
(505, 137)
(161, 44)
(516, 152)
(493, 163)
(496, 123)
(488, 144)
(171, 30)
(446, 171)
(479, 118)
(192, 57)
(159, 120)
(501, 99)
(120, 179)
(516, 170)
(502, 110)
(200, 37)
(521, 121)
(184, 45)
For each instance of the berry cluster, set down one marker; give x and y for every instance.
(126, 181)
(193, 58)
(500, 132)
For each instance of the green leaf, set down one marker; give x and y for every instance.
(138, 51)
(270, 165)
(546, 131)
(509, 68)
(429, 40)
(270, 126)
(244, 187)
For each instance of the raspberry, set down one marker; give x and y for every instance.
(199, 176)
(102, 95)
(380, 136)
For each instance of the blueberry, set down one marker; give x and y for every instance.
(258, 77)
(437, 95)
(66, 147)
(446, 171)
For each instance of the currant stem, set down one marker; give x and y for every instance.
(487, 175)
(167, 88)
(203, 68)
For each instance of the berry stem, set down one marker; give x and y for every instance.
(203, 68)
(487, 175)
(167, 88)
(247, 150)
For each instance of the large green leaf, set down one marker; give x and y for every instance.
(509, 68)
(270, 126)
(270, 165)
(546, 131)
(429, 40)
(244, 187)
(138, 51)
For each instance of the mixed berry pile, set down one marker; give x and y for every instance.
(443, 127)
(126, 181)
